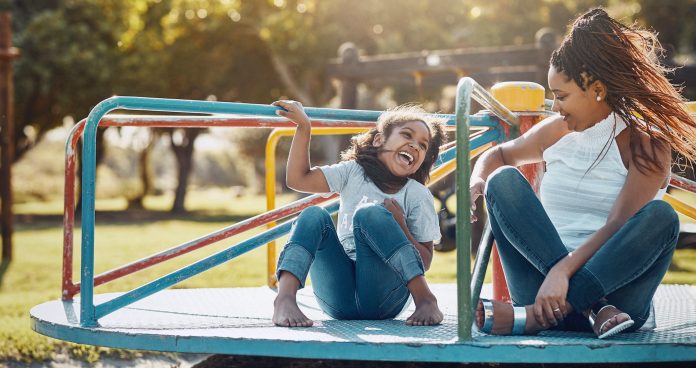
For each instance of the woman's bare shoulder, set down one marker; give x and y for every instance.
(659, 148)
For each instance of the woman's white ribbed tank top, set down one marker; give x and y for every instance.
(584, 175)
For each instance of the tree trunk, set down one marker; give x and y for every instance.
(289, 82)
(183, 151)
(143, 173)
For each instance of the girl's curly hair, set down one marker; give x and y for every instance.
(625, 59)
(365, 154)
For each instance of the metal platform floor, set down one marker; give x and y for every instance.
(238, 321)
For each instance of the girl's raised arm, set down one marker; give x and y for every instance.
(300, 175)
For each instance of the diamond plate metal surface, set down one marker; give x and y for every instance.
(244, 314)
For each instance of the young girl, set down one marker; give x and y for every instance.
(383, 244)
(591, 251)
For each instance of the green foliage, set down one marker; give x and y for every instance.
(69, 60)
(78, 52)
(660, 15)
(177, 55)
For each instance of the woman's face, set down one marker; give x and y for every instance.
(403, 151)
(580, 109)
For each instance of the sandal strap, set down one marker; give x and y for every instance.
(520, 320)
(595, 310)
(487, 316)
(598, 315)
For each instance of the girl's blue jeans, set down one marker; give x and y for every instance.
(371, 287)
(626, 270)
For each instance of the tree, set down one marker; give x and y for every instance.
(183, 50)
(78, 52)
(69, 62)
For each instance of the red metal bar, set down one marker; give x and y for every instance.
(172, 121)
(211, 238)
(70, 288)
(500, 289)
(534, 174)
(682, 183)
(69, 209)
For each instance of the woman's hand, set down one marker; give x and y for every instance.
(550, 303)
(294, 111)
(476, 187)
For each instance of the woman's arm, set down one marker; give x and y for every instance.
(526, 149)
(300, 176)
(425, 249)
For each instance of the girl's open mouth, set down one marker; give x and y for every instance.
(406, 157)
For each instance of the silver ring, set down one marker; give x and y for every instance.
(557, 310)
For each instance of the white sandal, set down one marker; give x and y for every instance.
(603, 314)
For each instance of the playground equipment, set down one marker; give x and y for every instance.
(428, 68)
(238, 321)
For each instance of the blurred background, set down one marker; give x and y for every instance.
(161, 187)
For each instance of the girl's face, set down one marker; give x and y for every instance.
(580, 109)
(403, 151)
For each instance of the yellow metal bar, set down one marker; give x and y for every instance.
(691, 106)
(449, 166)
(680, 206)
(271, 145)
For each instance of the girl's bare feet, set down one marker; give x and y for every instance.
(427, 312)
(286, 313)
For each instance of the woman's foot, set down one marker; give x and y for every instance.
(286, 313)
(607, 320)
(427, 313)
(503, 316)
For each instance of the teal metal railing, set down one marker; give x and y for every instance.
(468, 290)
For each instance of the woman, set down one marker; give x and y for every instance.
(591, 251)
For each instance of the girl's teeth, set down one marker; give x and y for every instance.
(408, 157)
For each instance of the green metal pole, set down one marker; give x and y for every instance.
(464, 316)
(480, 265)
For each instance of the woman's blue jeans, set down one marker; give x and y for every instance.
(626, 270)
(371, 287)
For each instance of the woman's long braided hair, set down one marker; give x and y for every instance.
(625, 59)
(365, 154)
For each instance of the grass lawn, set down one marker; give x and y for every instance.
(34, 275)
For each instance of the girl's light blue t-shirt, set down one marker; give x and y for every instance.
(348, 179)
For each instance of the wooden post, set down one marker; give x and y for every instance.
(349, 91)
(7, 55)
(546, 42)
